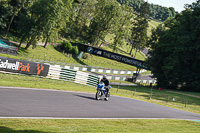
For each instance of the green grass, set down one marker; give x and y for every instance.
(187, 93)
(152, 25)
(98, 126)
(146, 73)
(182, 102)
(142, 93)
(155, 23)
(124, 49)
(36, 82)
(52, 55)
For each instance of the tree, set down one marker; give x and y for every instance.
(138, 37)
(174, 59)
(49, 17)
(156, 11)
(24, 26)
(5, 11)
(17, 6)
(81, 15)
(105, 14)
(122, 25)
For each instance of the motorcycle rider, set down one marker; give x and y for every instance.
(106, 82)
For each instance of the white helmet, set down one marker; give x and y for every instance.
(104, 76)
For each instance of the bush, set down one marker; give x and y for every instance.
(68, 47)
(75, 50)
(86, 56)
(62, 46)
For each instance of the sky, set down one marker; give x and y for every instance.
(177, 4)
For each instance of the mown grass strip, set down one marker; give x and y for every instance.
(95, 125)
(37, 82)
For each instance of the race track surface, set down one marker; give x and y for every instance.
(26, 102)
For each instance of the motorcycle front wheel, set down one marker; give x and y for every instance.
(97, 96)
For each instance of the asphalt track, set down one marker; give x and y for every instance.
(39, 103)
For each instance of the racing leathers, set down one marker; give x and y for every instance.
(107, 83)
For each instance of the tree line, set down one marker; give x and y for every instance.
(156, 11)
(86, 20)
(175, 51)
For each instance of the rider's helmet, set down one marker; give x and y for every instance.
(104, 76)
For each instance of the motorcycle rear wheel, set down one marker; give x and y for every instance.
(108, 97)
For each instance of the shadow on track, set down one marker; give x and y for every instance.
(91, 98)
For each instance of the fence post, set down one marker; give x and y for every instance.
(167, 99)
(151, 93)
(150, 96)
(134, 92)
(186, 103)
(118, 87)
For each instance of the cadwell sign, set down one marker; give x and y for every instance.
(23, 67)
(111, 55)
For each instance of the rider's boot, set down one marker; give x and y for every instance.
(106, 94)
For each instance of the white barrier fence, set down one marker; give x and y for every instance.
(64, 73)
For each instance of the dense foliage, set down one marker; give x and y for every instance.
(156, 11)
(175, 53)
(88, 21)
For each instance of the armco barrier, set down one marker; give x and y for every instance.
(63, 73)
(78, 67)
(54, 72)
(14, 66)
(8, 65)
(146, 81)
(100, 70)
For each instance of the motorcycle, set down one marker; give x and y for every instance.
(101, 92)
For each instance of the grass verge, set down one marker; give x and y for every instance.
(163, 97)
(37, 82)
(95, 125)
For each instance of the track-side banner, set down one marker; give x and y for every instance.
(111, 55)
(23, 67)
